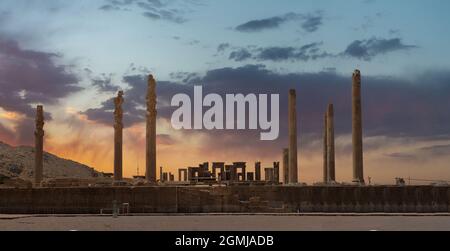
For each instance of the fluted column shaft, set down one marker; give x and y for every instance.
(39, 146)
(358, 175)
(330, 144)
(150, 170)
(286, 165)
(325, 158)
(293, 171)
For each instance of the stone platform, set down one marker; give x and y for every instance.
(230, 199)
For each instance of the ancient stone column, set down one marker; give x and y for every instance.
(276, 172)
(39, 146)
(150, 155)
(325, 158)
(358, 176)
(258, 171)
(286, 165)
(118, 128)
(293, 174)
(330, 144)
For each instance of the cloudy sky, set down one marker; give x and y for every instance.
(73, 56)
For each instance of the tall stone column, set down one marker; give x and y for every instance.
(330, 144)
(293, 174)
(286, 165)
(118, 128)
(358, 176)
(39, 146)
(325, 150)
(150, 155)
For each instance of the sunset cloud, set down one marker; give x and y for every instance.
(29, 77)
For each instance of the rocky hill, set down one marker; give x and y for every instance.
(18, 162)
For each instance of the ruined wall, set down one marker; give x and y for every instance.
(170, 199)
(86, 200)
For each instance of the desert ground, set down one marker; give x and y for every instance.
(313, 222)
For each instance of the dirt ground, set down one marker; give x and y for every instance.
(225, 222)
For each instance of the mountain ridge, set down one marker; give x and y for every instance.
(18, 162)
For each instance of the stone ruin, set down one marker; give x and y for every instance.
(235, 173)
(220, 172)
(237, 194)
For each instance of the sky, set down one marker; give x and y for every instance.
(73, 56)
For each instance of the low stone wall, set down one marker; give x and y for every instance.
(86, 200)
(237, 199)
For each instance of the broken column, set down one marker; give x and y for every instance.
(150, 155)
(330, 144)
(39, 146)
(276, 172)
(293, 174)
(358, 176)
(286, 165)
(325, 158)
(258, 171)
(118, 128)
